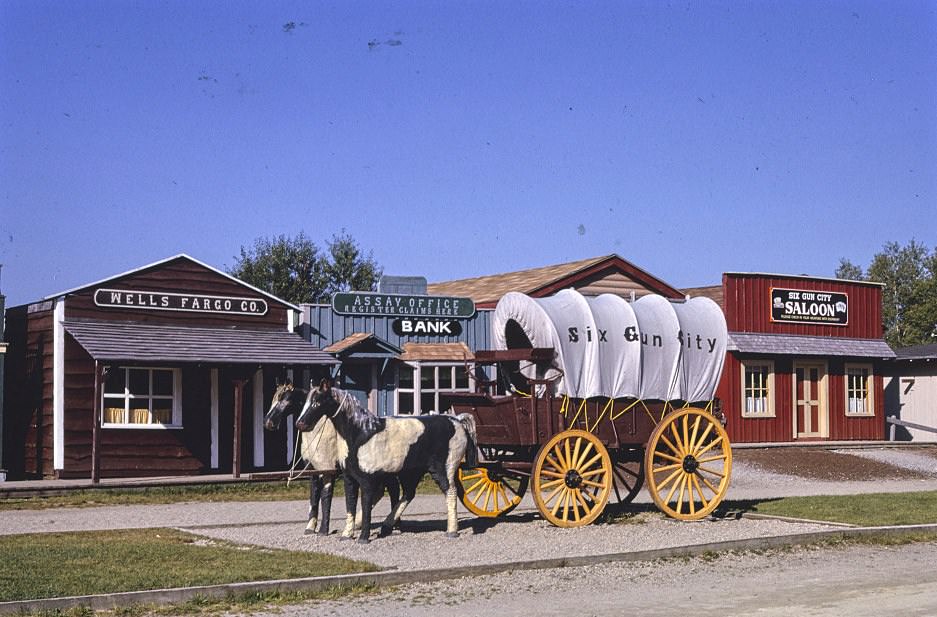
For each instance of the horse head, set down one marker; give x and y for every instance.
(320, 401)
(286, 400)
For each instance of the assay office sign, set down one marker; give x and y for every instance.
(192, 303)
(401, 305)
(809, 307)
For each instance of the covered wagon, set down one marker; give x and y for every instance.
(584, 399)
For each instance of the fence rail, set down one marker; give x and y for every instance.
(895, 422)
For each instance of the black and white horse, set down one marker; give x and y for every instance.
(406, 446)
(323, 450)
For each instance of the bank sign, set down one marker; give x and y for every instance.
(809, 307)
(401, 305)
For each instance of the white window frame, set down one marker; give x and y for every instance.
(768, 386)
(869, 389)
(417, 390)
(127, 397)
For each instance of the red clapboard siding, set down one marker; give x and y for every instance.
(748, 306)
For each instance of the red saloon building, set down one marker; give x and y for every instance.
(805, 358)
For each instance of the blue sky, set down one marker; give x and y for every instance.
(457, 139)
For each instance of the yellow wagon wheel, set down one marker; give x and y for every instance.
(490, 492)
(688, 462)
(572, 476)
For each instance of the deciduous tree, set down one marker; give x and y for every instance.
(909, 295)
(295, 270)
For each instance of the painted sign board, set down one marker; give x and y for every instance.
(401, 305)
(407, 326)
(809, 306)
(186, 302)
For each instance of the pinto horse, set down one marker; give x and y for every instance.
(320, 447)
(407, 447)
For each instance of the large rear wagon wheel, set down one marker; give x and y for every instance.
(490, 492)
(572, 477)
(688, 463)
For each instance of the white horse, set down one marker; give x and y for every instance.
(323, 450)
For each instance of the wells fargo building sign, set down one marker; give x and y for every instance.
(193, 303)
(809, 306)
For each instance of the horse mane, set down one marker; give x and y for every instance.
(355, 412)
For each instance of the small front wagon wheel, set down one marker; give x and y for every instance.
(490, 493)
(572, 476)
(688, 463)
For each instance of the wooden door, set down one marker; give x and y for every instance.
(811, 420)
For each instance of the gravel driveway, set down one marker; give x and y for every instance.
(522, 535)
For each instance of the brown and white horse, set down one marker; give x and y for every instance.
(379, 447)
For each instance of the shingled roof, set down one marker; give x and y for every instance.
(125, 341)
(785, 344)
(485, 291)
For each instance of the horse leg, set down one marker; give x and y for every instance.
(326, 500)
(445, 479)
(409, 483)
(315, 491)
(368, 490)
(393, 489)
(351, 506)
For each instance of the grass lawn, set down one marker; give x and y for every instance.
(235, 491)
(869, 510)
(65, 564)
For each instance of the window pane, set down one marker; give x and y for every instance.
(445, 378)
(427, 377)
(162, 411)
(405, 403)
(405, 377)
(114, 414)
(427, 402)
(139, 382)
(139, 411)
(114, 381)
(162, 382)
(461, 378)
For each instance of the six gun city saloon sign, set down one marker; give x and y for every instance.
(165, 301)
(416, 314)
(809, 307)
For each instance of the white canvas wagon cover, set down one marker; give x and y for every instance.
(652, 348)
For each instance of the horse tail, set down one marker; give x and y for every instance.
(467, 421)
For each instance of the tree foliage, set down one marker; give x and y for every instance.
(909, 296)
(295, 270)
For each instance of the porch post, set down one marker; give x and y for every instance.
(96, 425)
(238, 412)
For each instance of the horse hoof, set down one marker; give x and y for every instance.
(364, 541)
(322, 532)
(384, 532)
(345, 538)
(452, 534)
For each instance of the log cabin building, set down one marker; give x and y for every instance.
(164, 370)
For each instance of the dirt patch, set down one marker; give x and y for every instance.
(823, 465)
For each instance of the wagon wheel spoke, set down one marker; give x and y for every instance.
(684, 483)
(574, 492)
(490, 494)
